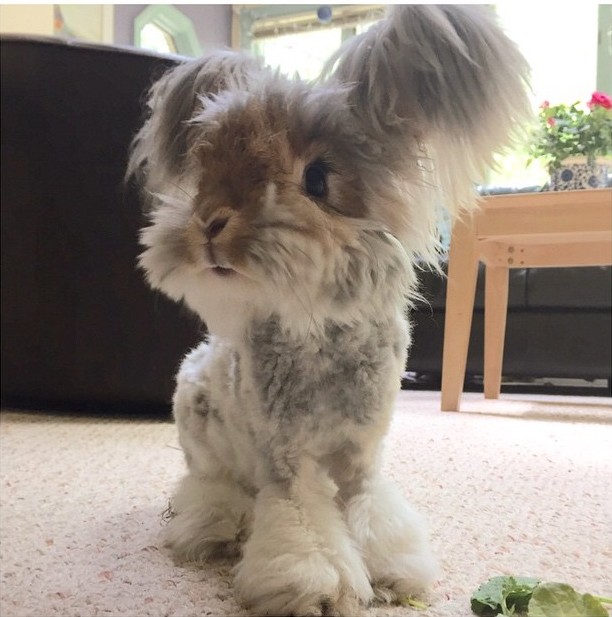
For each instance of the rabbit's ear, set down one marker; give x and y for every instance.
(446, 75)
(159, 150)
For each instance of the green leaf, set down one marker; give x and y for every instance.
(503, 594)
(560, 600)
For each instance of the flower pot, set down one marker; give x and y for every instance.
(578, 173)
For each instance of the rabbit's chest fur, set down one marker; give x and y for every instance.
(258, 406)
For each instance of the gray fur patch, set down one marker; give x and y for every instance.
(201, 405)
(216, 414)
(336, 374)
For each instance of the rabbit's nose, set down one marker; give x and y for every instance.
(215, 227)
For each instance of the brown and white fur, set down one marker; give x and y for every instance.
(289, 216)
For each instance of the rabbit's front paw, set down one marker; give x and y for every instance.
(299, 559)
(297, 585)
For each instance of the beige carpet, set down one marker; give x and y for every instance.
(517, 486)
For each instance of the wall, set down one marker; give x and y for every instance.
(212, 23)
(26, 19)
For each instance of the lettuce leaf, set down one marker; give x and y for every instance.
(508, 595)
(560, 600)
(503, 594)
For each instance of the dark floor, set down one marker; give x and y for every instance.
(516, 385)
(410, 381)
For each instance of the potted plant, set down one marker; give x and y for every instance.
(573, 141)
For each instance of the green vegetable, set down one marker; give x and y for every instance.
(560, 600)
(413, 603)
(503, 594)
(510, 594)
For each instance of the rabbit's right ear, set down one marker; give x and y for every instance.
(446, 76)
(159, 150)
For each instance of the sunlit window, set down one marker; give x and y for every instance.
(301, 54)
(164, 29)
(299, 41)
(154, 38)
(304, 53)
(560, 45)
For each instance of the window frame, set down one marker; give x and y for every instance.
(290, 18)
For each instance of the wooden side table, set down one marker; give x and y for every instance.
(521, 230)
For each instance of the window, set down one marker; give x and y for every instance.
(165, 29)
(570, 52)
(561, 46)
(157, 39)
(299, 39)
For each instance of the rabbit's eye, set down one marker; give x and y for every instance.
(315, 179)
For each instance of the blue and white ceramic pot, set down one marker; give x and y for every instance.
(578, 173)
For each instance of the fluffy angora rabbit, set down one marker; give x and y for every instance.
(289, 216)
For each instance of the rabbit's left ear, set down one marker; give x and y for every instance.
(446, 75)
(159, 151)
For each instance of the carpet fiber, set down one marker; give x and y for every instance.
(517, 486)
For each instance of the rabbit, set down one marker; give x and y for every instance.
(292, 217)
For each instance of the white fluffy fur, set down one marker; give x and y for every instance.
(289, 217)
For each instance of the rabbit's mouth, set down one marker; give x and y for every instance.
(214, 263)
(223, 271)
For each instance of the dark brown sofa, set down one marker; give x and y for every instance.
(78, 323)
(558, 328)
(80, 329)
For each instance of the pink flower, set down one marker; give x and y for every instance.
(600, 99)
(545, 105)
(550, 121)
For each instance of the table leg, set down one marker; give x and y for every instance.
(496, 308)
(461, 289)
